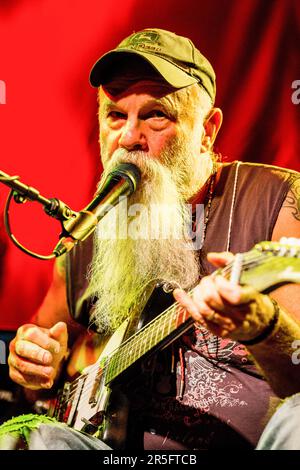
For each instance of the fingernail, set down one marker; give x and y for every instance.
(47, 357)
(200, 321)
(231, 327)
(48, 371)
(178, 292)
(47, 385)
(224, 333)
(220, 280)
(55, 348)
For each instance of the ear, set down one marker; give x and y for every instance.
(212, 124)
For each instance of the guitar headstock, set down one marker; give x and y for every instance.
(271, 263)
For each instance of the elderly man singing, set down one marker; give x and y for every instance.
(215, 383)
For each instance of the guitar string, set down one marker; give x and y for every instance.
(87, 390)
(134, 340)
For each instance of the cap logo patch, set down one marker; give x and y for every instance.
(143, 37)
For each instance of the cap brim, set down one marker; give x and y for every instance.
(100, 73)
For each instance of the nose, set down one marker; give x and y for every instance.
(133, 137)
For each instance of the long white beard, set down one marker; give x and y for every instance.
(124, 267)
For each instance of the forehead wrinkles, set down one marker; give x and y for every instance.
(188, 104)
(177, 102)
(106, 102)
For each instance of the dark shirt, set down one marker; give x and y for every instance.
(225, 401)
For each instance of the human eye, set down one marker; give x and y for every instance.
(157, 114)
(158, 118)
(116, 115)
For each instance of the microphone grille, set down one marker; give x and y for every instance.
(130, 172)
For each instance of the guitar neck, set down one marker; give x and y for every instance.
(163, 329)
(268, 264)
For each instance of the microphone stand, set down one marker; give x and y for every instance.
(21, 193)
(77, 226)
(53, 207)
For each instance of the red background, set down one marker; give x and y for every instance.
(48, 126)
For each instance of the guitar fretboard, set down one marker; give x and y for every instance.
(146, 339)
(254, 268)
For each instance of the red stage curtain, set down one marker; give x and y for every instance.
(48, 124)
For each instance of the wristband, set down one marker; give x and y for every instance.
(268, 329)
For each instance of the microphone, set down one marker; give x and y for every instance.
(122, 181)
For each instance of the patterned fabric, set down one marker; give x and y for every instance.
(224, 403)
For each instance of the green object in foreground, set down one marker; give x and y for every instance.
(21, 426)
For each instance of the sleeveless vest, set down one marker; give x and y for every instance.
(225, 400)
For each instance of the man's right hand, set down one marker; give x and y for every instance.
(36, 354)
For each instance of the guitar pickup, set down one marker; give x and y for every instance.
(96, 387)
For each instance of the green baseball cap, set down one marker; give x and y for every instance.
(174, 57)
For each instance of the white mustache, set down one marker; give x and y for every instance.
(146, 163)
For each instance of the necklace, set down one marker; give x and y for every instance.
(209, 197)
(168, 286)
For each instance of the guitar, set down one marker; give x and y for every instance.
(86, 403)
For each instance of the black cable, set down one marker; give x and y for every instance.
(8, 228)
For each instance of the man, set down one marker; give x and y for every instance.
(156, 110)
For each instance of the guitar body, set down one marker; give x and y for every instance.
(116, 398)
(90, 406)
